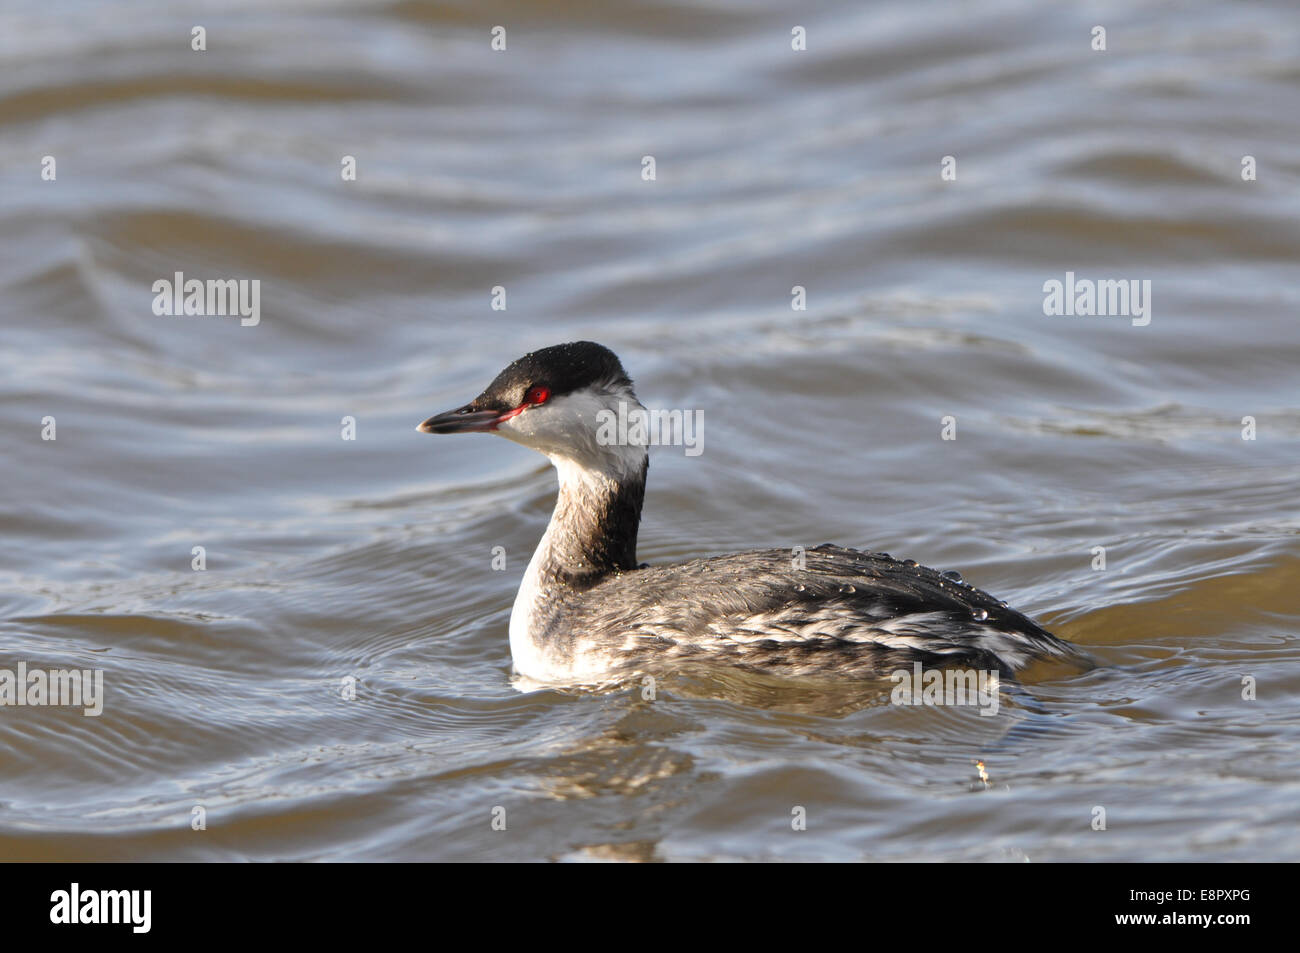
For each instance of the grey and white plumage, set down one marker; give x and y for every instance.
(586, 611)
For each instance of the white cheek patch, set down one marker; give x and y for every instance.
(569, 428)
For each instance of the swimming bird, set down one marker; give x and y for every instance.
(587, 611)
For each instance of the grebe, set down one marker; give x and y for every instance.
(587, 611)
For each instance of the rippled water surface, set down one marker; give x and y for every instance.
(372, 558)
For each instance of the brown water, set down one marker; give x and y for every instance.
(371, 558)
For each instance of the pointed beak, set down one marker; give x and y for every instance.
(461, 420)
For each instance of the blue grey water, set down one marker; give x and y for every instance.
(369, 562)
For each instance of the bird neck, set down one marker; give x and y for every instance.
(591, 536)
(593, 528)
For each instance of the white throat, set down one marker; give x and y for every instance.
(591, 472)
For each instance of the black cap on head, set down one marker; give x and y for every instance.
(561, 369)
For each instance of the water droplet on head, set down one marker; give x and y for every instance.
(981, 614)
(952, 574)
(848, 588)
(910, 563)
(800, 587)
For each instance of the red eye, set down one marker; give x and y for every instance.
(536, 395)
